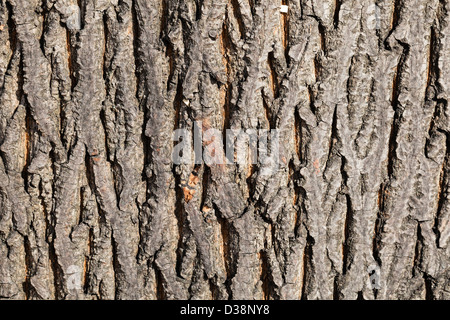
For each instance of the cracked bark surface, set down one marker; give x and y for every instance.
(92, 207)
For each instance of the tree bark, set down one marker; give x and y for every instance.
(93, 207)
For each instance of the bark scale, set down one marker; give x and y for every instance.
(92, 206)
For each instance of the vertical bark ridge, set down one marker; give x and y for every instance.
(92, 205)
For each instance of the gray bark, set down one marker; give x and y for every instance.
(92, 207)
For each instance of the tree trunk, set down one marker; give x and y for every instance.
(93, 206)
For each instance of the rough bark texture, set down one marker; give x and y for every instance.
(92, 207)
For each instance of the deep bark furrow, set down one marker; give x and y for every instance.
(93, 204)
